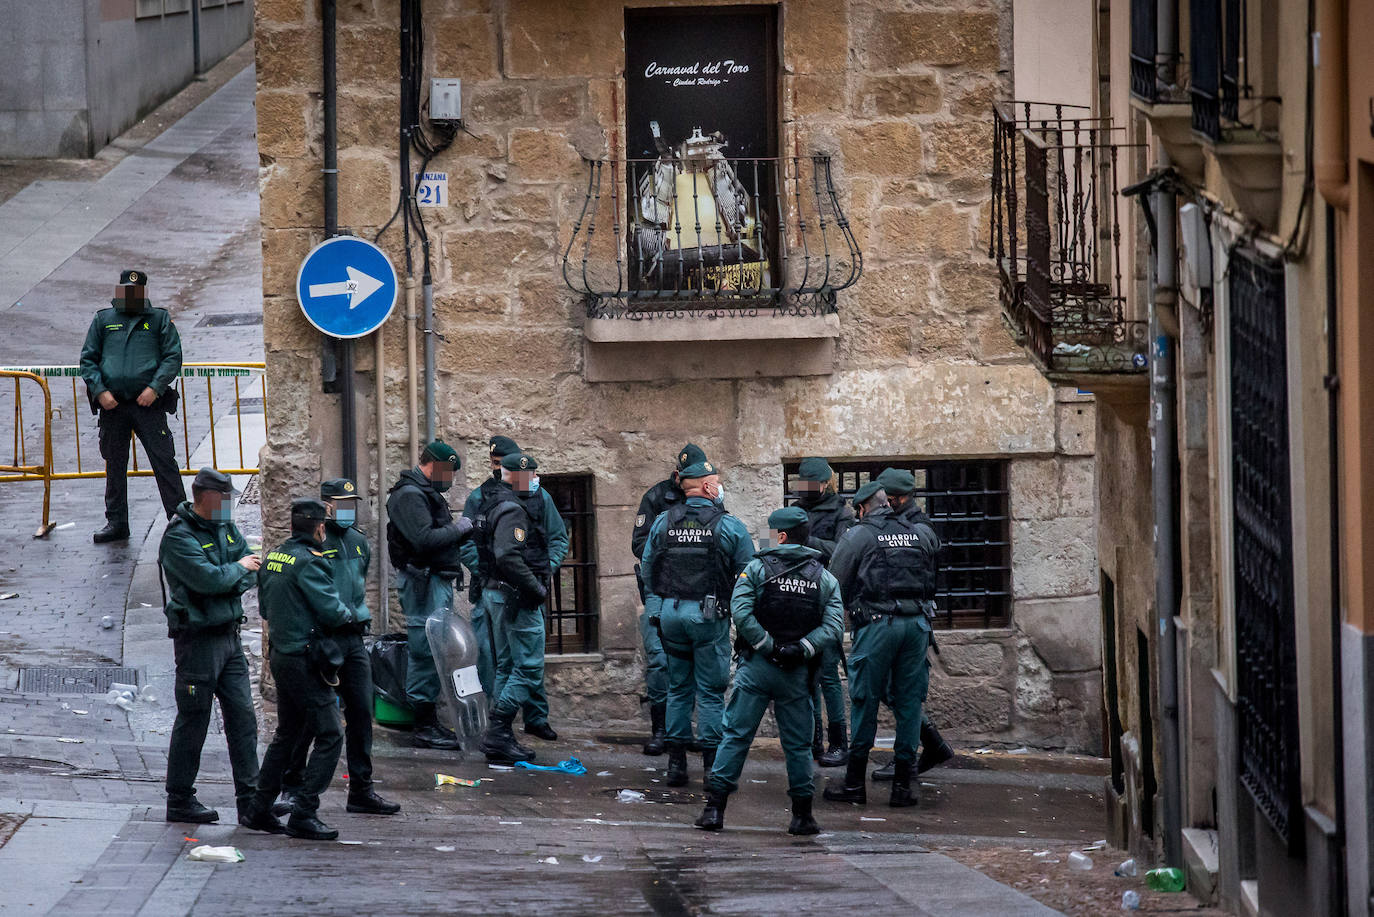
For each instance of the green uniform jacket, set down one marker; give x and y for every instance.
(296, 594)
(554, 530)
(349, 555)
(732, 538)
(204, 578)
(749, 586)
(126, 353)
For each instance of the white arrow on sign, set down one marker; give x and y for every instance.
(357, 287)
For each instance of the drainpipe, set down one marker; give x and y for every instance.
(1164, 480)
(196, 70)
(383, 605)
(1330, 160)
(347, 400)
(428, 284)
(1332, 383)
(412, 369)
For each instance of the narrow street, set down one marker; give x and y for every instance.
(81, 801)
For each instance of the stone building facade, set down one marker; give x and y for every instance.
(913, 365)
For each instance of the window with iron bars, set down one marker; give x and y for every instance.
(571, 614)
(967, 503)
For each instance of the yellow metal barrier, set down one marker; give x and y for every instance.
(67, 461)
(19, 468)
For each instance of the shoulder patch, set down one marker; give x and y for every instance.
(519, 534)
(639, 520)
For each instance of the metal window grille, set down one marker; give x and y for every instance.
(1267, 695)
(572, 614)
(1218, 40)
(1144, 46)
(967, 503)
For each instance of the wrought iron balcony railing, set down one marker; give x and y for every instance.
(1056, 237)
(1218, 40)
(1155, 77)
(686, 235)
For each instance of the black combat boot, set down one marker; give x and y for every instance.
(902, 796)
(260, 820)
(499, 743)
(190, 810)
(884, 773)
(677, 765)
(854, 787)
(934, 749)
(111, 532)
(657, 716)
(817, 742)
(802, 820)
(310, 828)
(428, 733)
(368, 802)
(712, 817)
(838, 755)
(285, 804)
(541, 731)
(708, 761)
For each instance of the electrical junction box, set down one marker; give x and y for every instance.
(445, 99)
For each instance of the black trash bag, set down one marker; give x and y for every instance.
(390, 654)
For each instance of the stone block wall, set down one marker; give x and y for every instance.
(923, 367)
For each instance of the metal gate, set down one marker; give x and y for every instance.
(1267, 694)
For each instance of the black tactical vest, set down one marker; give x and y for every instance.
(825, 518)
(535, 547)
(402, 553)
(900, 567)
(789, 606)
(690, 564)
(493, 494)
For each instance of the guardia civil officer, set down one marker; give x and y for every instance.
(131, 357)
(886, 570)
(477, 557)
(900, 485)
(694, 553)
(424, 540)
(829, 517)
(302, 608)
(208, 568)
(349, 556)
(787, 610)
(517, 589)
(656, 500)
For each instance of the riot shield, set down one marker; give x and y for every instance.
(454, 646)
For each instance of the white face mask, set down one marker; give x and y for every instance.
(720, 494)
(534, 485)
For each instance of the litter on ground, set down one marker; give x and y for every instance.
(208, 854)
(629, 796)
(446, 780)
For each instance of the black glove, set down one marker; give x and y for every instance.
(787, 656)
(462, 526)
(535, 594)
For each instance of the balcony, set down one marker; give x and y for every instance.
(1159, 90)
(747, 254)
(1056, 237)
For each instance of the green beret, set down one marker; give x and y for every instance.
(133, 278)
(897, 481)
(338, 489)
(787, 518)
(440, 451)
(698, 470)
(502, 446)
(689, 455)
(865, 493)
(814, 469)
(213, 479)
(519, 461)
(307, 509)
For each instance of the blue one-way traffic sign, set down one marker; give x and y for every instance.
(346, 287)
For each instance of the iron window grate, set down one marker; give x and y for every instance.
(48, 679)
(967, 503)
(572, 617)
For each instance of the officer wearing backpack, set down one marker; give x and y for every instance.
(787, 611)
(695, 551)
(423, 540)
(886, 570)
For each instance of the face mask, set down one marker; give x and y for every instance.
(344, 517)
(534, 485)
(720, 495)
(442, 486)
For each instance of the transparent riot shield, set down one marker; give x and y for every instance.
(454, 646)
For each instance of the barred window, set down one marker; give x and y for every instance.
(967, 503)
(571, 613)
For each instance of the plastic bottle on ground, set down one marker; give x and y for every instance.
(1127, 869)
(1080, 861)
(1169, 879)
(1130, 900)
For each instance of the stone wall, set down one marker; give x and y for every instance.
(922, 366)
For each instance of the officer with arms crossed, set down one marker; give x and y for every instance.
(302, 608)
(477, 557)
(208, 569)
(695, 551)
(656, 500)
(900, 486)
(131, 357)
(787, 610)
(516, 592)
(830, 517)
(886, 571)
(349, 556)
(424, 540)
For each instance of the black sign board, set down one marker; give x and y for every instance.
(712, 69)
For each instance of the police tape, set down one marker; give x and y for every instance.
(188, 370)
